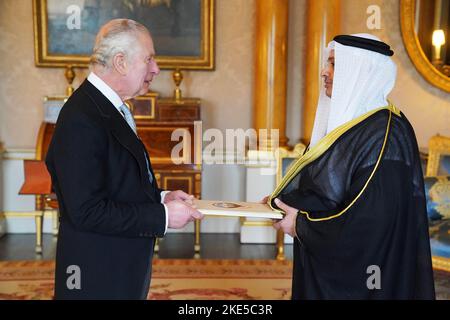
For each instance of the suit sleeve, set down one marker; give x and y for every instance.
(78, 165)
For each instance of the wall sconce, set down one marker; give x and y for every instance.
(438, 40)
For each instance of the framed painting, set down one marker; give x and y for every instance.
(182, 30)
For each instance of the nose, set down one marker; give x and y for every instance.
(325, 72)
(154, 69)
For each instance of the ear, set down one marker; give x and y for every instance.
(119, 62)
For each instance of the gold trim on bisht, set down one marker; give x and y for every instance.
(321, 147)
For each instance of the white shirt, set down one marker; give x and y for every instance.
(114, 98)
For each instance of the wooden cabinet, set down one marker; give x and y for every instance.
(178, 170)
(157, 120)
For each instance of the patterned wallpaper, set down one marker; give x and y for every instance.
(226, 92)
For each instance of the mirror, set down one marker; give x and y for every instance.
(425, 32)
(431, 28)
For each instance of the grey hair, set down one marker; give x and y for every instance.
(116, 36)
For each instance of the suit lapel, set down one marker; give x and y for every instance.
(121, 131)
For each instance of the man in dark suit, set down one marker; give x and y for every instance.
(110, 206)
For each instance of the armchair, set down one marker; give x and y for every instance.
(437, 191)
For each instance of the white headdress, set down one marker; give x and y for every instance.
(362, 81)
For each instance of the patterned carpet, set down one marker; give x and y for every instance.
(182, 280)
(171, 279)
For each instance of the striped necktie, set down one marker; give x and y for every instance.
(128, 117)
(130, 120)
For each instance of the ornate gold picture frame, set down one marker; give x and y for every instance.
(183, 31)
(438, 152)
(143, 107)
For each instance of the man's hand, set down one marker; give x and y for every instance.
(180, 214)
(265, 199)
(287, 224)
(178, 195)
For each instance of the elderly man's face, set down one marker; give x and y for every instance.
(142, 67)
(328, 73)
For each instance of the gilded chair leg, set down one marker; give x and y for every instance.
(156, 250)
(55, 222)
(280, 245)
(38, 219)
(197, 239)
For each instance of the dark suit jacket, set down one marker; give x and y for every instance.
(110, 213)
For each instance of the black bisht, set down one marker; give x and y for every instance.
(361, 207)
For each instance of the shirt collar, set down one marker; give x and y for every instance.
(106, 90)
